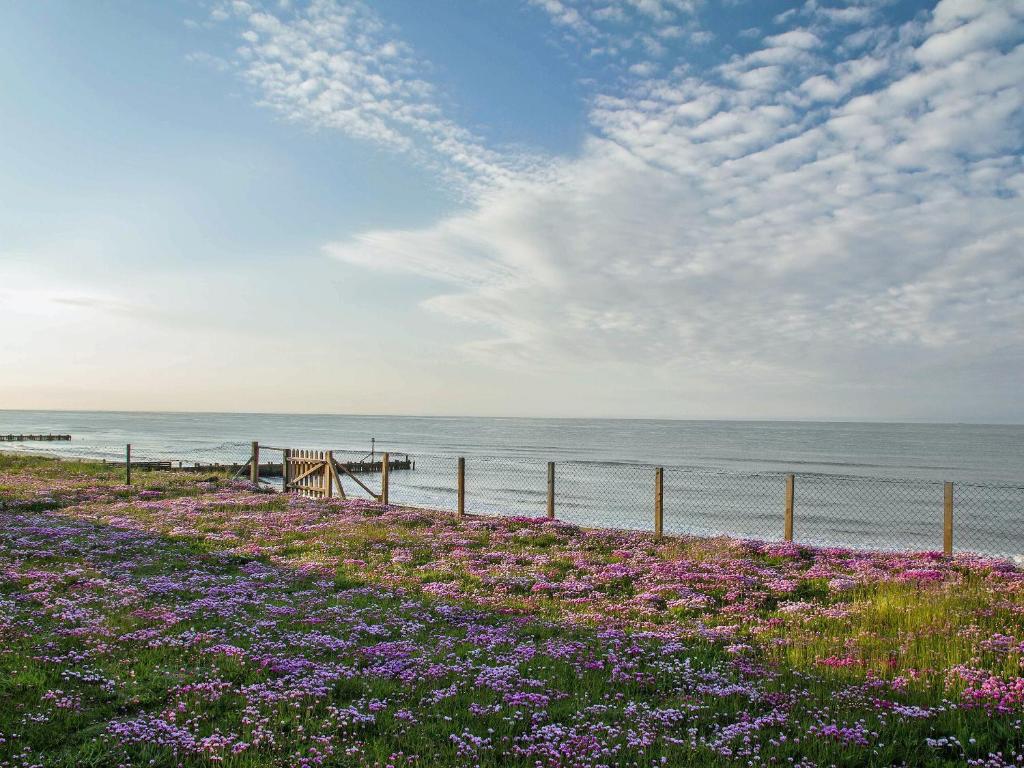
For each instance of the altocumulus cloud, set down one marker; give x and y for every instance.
(841, 200)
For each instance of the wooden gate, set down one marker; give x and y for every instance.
(311, 473)
(317, 475)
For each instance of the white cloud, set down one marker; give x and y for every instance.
(612, 29)
(822, 88)
(791, 223)
(566, 16)
(336, 65)
(997, 23)
(795, 38)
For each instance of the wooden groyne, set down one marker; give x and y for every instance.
(311, 473)
(268, 469)
(22, 438)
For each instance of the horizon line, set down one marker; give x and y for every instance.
(766, 420)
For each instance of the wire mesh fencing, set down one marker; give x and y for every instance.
(708, 503)
(431, 482)
(869, 513)
(197, 458)
(505, 486)
(815, 509)
(822, 510)
(187, 453)
(230, 459)
(604, 494)
(359, 472)
(988, 519)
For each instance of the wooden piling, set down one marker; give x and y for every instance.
(254, 468)
(286, 454)
(659, 502)
(551, 490)
(790, 497)
(461, 493)
(128, 464)
(329, 474)
(947, 521)
(384, 472)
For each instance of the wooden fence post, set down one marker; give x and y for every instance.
(461, 504)
(329, 473)
(947, 522)
(384, 472)
(128, 464)
(284, 470)
(254, 470)
(551, 490)
(659, 502)
(790, 496)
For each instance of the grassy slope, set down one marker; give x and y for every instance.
(182, 622)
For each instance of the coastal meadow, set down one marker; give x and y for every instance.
(197, 621)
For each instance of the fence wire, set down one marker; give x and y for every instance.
(989, 519)
(506, 486)
(605, 495)
(195, 458)
(868, 513)
(430, 484)
(142, 451)
(829, 510)
(708, 503)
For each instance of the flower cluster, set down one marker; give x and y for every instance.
(210, 623)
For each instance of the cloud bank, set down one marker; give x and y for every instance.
(835, 209)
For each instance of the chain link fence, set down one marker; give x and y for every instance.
(825, 510)
(432, 483)
(989, 519)
(870, 513)
(702, 502)
(605, 495)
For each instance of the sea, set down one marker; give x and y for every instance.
(862, 485)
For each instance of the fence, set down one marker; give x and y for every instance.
(814, 509)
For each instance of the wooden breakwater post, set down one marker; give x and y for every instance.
(384, 478)
(947, 520)
(659, 502)
(460, 504)
(128, 464)
(790, 499)
(285, 455)
(551, 490)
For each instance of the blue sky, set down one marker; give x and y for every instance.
(666, 208)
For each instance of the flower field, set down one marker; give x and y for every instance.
(187, 621)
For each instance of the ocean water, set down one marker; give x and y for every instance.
(869, 485)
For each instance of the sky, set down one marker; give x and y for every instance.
(599, 208)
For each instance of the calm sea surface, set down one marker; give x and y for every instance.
(858, 484)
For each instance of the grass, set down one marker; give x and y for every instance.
(182, 621)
